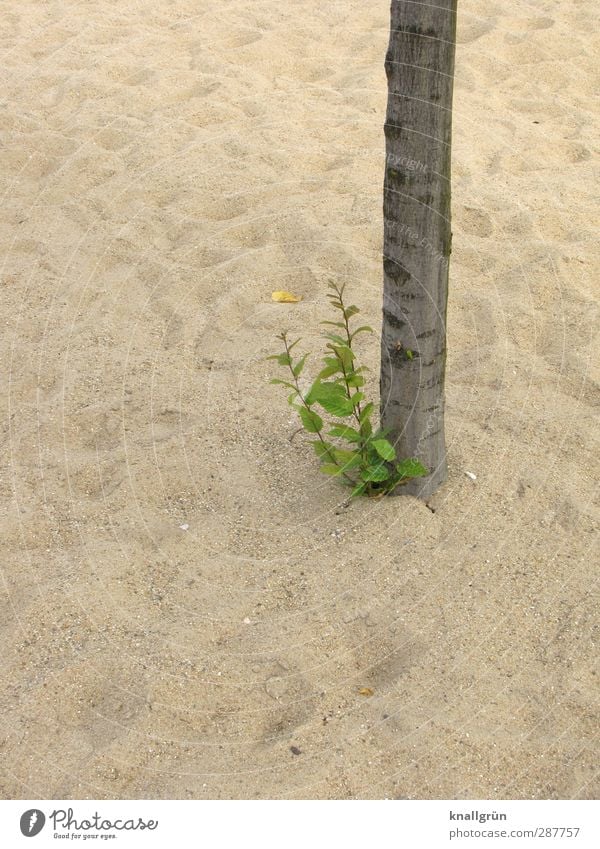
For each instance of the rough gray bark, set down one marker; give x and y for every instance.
(417, 237)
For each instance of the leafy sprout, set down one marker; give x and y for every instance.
(361, 456)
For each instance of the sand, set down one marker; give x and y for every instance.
(185, 596)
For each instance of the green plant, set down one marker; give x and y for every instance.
(368, 461)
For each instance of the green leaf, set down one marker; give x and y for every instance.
(323, 449)
(384, 448)
(331, 284)
(347, 459)
(344, 355)
(347, 355)
(347, 433)
(312, 422)
(338, 406)
(350, 311)
(333, 365)
(356, 398)
(283, 383)
(364, 329)
(331, 469)
(332, 397)
(358, 490)
(356, 380)
(366, 413)
(328, 371)
(309, 397)
(335, 324)
(299, 366)
(337, 340)
(411, 468)
(365, 429)
(284, 359)
(375, 473)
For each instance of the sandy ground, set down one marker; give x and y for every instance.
(164, 167)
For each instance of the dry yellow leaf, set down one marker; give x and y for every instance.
(366, 691)
(285, 297)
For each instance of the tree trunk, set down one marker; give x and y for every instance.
(417, 237)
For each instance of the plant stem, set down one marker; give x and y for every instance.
(349, 338)
(357, 410)
(295, 379)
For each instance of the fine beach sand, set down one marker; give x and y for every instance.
(185, 597)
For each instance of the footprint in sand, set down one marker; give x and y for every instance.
(468, 31)
(93, 428)
(203, 89)
(539, 23)
(167, 424)
(111, 713)
(224, 208)
(111, 139)
(96, 481)
(474, 221)
(394, 664)
(242, 39)
(138, 76)
(290, 703)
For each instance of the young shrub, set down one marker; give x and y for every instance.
(335, 406)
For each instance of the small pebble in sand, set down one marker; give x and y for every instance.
(471, 475)
(184, 527)
(247, 621)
